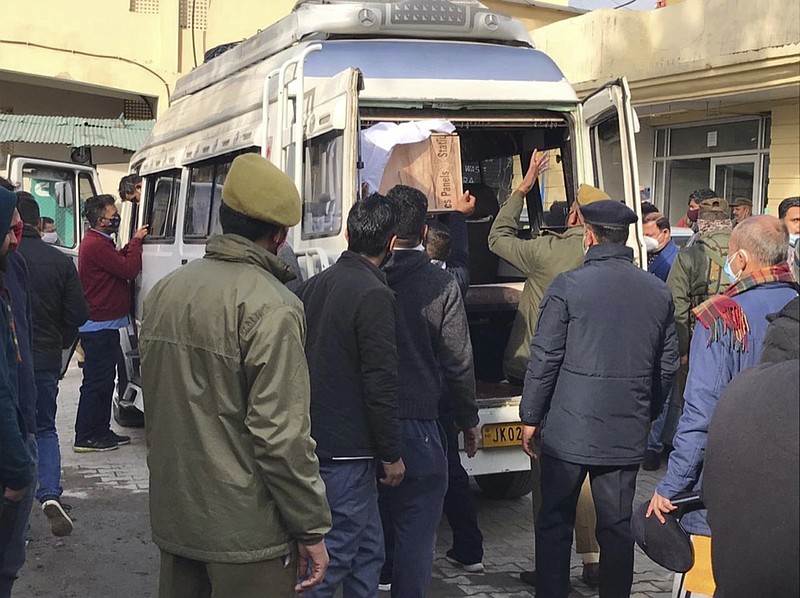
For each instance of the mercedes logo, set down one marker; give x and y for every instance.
(366, 17)
(492, 22)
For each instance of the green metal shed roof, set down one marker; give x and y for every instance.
(75, 131)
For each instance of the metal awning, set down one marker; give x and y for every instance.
(75, 131)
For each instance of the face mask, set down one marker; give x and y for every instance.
(692, 214)
(793, 239)
(50, 238)
(729, 271)
(585, 246)
(17, 228)
(113, 223)
(650, 244)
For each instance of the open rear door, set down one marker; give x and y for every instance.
(324, 166)
(609, 124)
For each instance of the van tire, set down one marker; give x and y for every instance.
(128, 417)
(509, 484)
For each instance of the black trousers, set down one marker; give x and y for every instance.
(101, 354)
(613, 490)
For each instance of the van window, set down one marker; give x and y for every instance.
(205, 194)
(161, 205)
(607, 150)
(322, 201)
(54, 190)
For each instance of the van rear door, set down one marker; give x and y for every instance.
(609, 125)
(321, 154)
(60, 189)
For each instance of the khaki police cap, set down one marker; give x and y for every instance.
(588, 194)
(713, 204)
(258, 189)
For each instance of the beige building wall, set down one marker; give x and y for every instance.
(694, 61)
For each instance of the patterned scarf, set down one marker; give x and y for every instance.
(721, 313)
(710, 226)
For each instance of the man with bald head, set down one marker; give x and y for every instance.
(728, 338)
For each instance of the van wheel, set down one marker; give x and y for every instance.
(510, 484)
(128, 417)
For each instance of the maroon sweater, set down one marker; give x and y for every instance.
(105, 274)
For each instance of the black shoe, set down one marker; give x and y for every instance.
(118, 438)
(591, 575)
(57, 515)
(652, 461)
(95, 445)
(451, 558)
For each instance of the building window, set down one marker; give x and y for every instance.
(161, 205)
(731, 157)
(138, 110)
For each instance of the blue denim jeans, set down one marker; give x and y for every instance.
(47, 436)
(411, 512)
(355, 542)
(655, 442)
(14, 555)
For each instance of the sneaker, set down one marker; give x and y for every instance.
(451, 558)
(385, 587)
(591, 575)
(58, 516)
(652, 461)
(120, 439)
(95, 445)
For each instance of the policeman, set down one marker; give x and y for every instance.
(741, 209)
(542, 259)
(602, 360)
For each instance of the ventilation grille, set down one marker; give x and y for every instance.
(137, 110)
(193, 14)
(147, 7)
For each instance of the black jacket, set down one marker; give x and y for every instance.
(59, 307)
(432, 340)
(602, 362)
(352, 360)
(457, 262)
(782, 341)
(751, 484)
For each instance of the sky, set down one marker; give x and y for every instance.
(592, 4)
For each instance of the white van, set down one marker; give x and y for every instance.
(301, 91)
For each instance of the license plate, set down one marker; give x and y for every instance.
(501, 435)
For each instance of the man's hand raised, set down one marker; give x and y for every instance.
(466, 204)
(311, 566)
(393, 473)
(142, 232)
(540, 162)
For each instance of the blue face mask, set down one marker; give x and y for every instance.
(729, 271)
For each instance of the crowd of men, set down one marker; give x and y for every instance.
(304, 437)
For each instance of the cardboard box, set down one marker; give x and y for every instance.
(433, 166)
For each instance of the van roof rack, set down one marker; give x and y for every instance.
(348, 19)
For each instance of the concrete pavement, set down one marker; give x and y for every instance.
(110, 554)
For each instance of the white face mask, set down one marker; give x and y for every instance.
(650, 244)
(585, 246)
(50, 238)
(793, 239)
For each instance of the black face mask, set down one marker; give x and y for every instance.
(113, 223)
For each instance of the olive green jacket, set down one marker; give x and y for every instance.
(541, 260)
(696, 275)
(233, 474)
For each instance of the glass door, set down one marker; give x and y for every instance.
(737, 176)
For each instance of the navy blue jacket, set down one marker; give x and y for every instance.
(15, 464)
(16, 281)
(602, 362)
(712, 365)
(662, 262)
